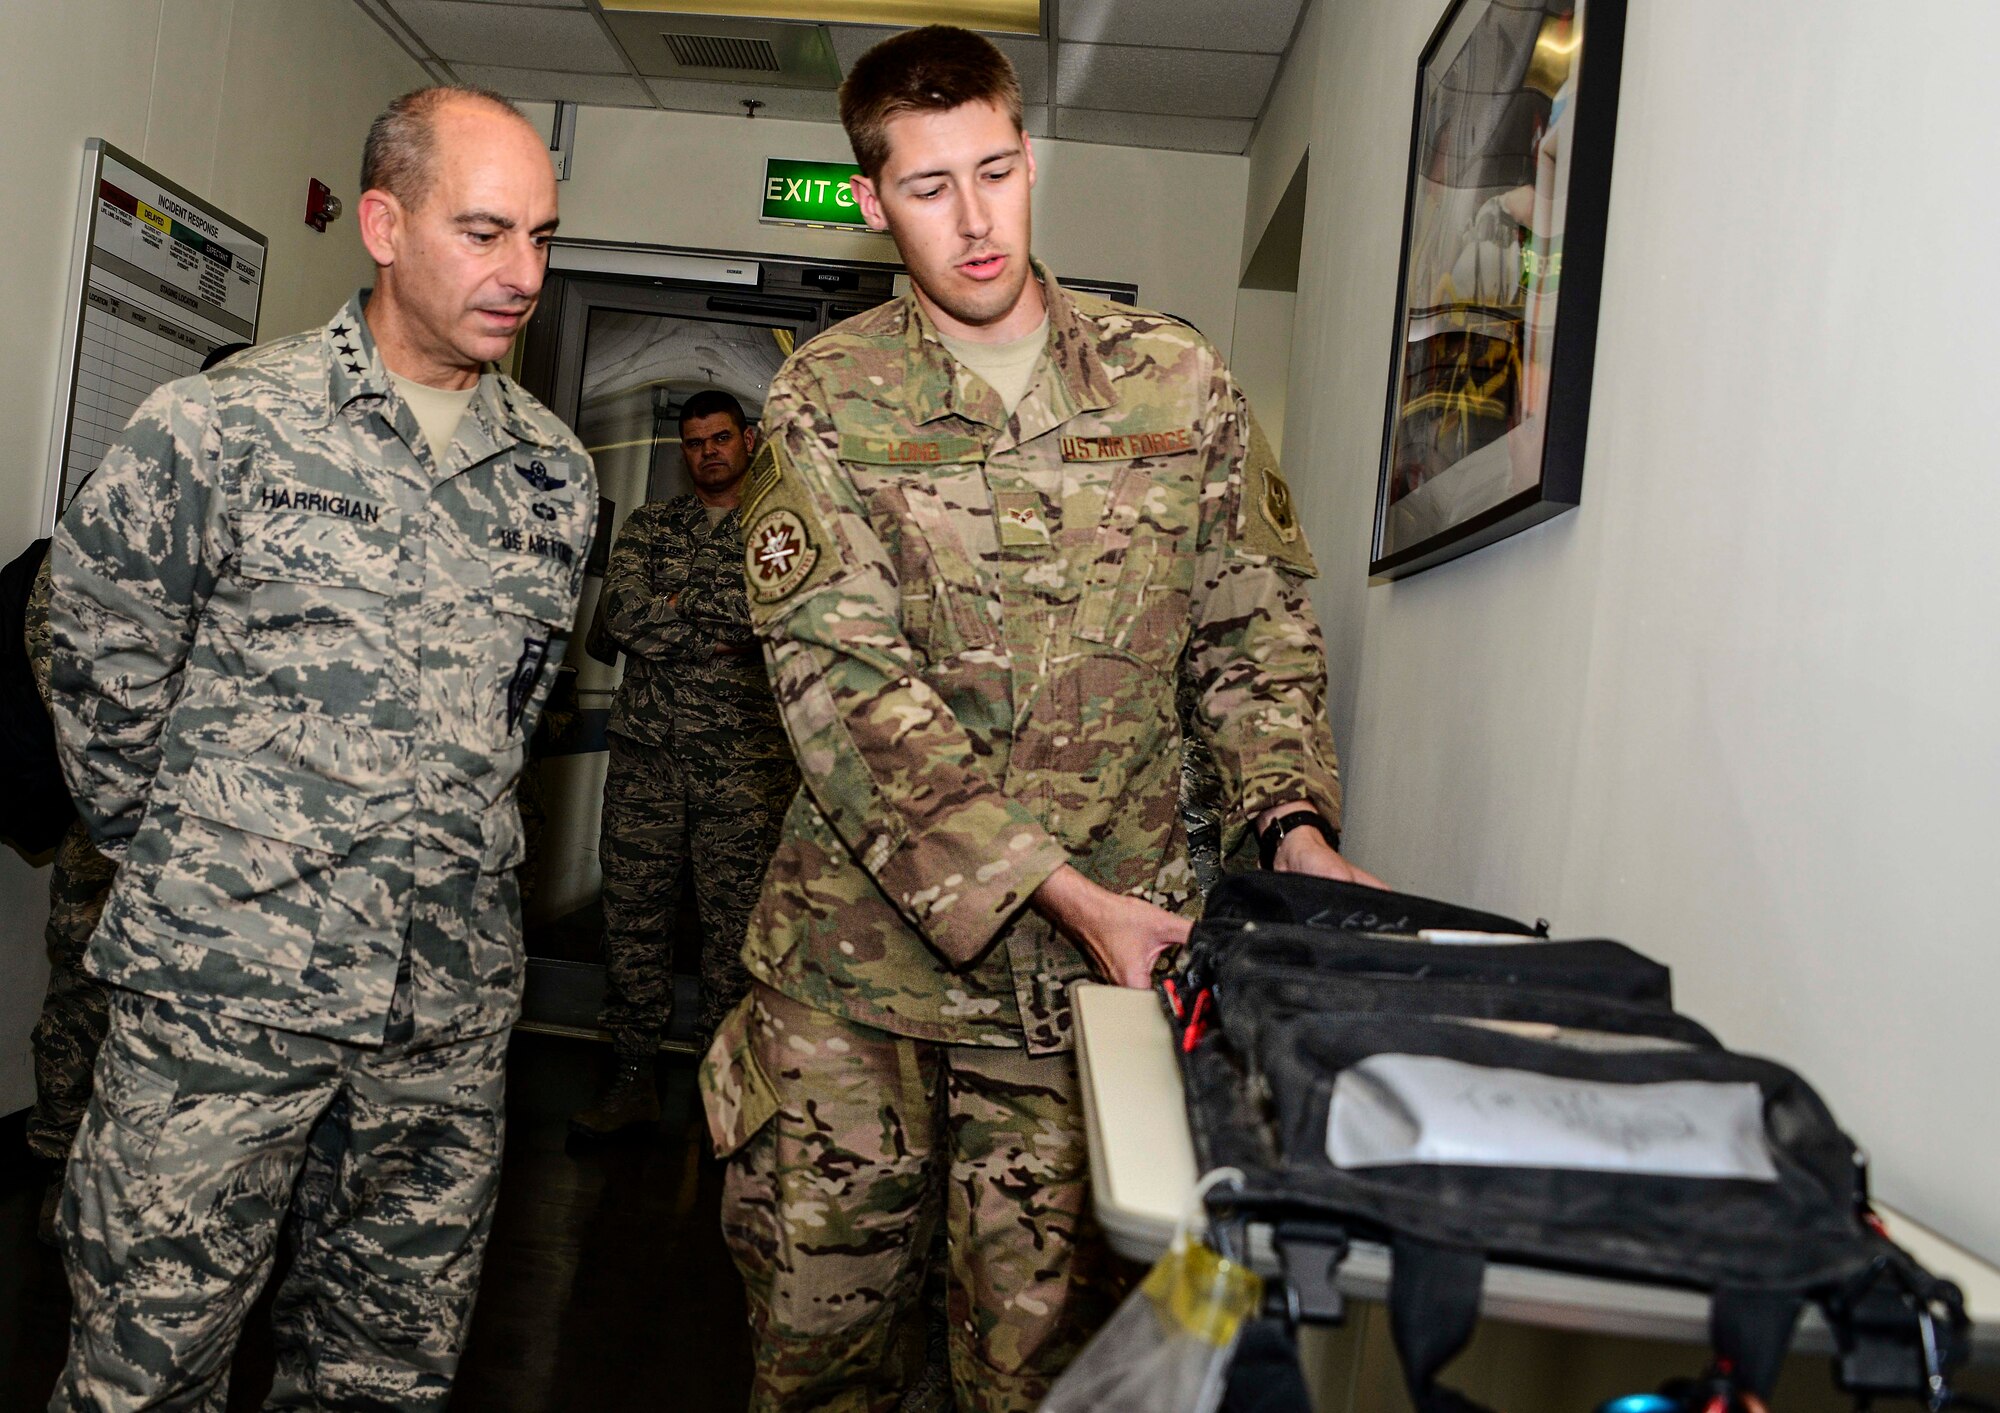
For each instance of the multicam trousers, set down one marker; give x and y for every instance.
(839, 1136)
(202, 1133)
(667, 811)
(76, 1007)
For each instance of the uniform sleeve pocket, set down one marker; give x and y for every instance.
(736, 1094)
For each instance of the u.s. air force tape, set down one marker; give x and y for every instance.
(778, 555)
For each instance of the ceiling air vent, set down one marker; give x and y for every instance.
(666, 43)
(718, 51)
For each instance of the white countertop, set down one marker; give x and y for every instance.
(1143, 1174)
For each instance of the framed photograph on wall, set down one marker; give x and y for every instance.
(1502, 259)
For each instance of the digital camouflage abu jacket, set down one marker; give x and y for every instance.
(295, 665)
(694, 673)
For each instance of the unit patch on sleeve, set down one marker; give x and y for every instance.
(1270, 521)
(778, 554)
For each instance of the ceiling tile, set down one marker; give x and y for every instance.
(801, 104)
(1261, 26)
(545, 86)
(484, 33)
(1030, 56)
(1035, 120)
(1189, 82)
(1151, 130)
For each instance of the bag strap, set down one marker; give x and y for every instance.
(1433, 1306)
(1901, 1331)
(1752, 1332)
(1434, 1295)
(1264, 1374)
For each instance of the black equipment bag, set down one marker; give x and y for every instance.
(35, 804)
(1347, 907)
(1593, 965)
(1538, 1103)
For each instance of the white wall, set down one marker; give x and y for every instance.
(1170, 222)
(1285, 129)
(1738, 707)
(1261, 355)
(240, 101)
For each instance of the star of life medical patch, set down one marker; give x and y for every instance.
(778, 555)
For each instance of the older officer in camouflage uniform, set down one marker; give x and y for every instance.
(974, 601)
(76, 1008)
(305, 616)
(700, 770)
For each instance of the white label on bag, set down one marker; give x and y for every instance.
(1600, 1042)
(1424, 1109)
(1457, 937)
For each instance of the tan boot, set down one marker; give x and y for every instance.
(630, 1100)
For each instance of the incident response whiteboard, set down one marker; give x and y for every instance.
(159, 278)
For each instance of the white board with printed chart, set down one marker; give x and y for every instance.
(159, 279)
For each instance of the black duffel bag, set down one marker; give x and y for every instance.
(1347, 907)
(1538, 1103)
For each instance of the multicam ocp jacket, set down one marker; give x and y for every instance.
(973, 623)
(296, 661)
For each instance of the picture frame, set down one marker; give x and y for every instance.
(1502, 259)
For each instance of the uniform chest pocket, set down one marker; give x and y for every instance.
(1135, 596)
(534, 599)
(948, 605)
(351, 550)
(307, 569)
(530, 586)
(254, 851)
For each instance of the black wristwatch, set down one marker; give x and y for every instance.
(1268, 838)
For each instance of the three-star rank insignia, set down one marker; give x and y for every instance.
(778, 555)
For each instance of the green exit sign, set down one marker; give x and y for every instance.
(811, 194)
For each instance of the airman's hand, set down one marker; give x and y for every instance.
(1122, 935)
(1307, 851)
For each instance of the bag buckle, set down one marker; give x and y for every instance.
(1310, 1255)
(1901, 1333)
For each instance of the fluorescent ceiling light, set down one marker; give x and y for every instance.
(1006, 16)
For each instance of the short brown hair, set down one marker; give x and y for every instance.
(402, 141)
(929, 70)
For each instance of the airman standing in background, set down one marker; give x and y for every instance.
(700, 771)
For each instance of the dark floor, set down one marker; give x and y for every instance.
(607, 1286)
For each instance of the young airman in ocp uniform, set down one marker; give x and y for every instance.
(974, 598)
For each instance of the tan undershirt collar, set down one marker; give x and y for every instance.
(1008, 367)
(438, 410)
